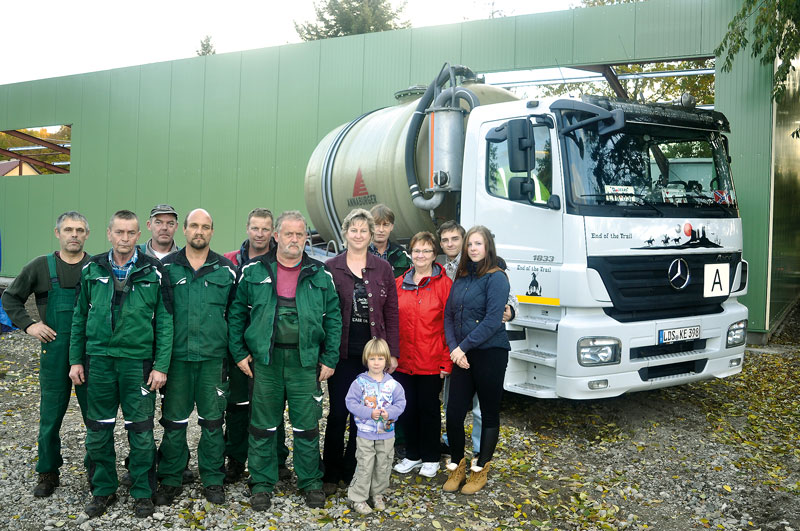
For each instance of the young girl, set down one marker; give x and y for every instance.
(375, 400)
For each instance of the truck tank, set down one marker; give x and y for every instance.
(362, 163)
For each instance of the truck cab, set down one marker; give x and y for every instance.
(620, 228)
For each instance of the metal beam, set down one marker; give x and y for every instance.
(11, 154)
(39, 141)
(610, 76)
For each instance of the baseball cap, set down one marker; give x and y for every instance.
(163, 209)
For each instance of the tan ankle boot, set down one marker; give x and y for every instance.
(457, 476)
(477, 479)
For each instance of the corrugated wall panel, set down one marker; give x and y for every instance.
(93, 149)
(5, 224)
(387, 63)
(716, 14)
(66, 189)
(123, 137)
(544, 40)
(488, 45)
(152, 155)
(182, 188)
(298, 86)
(258, 125)
(431, 47)
(16, 252)
(604, 34)
(785, 267)
(220, 141)
(39, 222)
(668, 28)
(744, 96)
(341, 82)
(19, 106)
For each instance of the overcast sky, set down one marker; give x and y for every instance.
(50, 38)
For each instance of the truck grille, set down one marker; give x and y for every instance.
(640, 290)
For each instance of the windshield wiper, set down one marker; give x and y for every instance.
(640, 197)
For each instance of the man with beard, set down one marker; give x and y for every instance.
(278, 294)
(52, 278)
(202, 284)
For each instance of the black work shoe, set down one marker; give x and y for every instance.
(99, 504)
(143, 508)
(233, 471)
(47, 484)
(284, 473)
(329, 489)
(315, 498)
(126, 480)
(214, 494)
(188, 476)
(261, 501)
(166, 494)
(444, 448)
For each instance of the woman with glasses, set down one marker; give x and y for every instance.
(478, 343)
(424, 357)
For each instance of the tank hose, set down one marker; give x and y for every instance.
(447, 73)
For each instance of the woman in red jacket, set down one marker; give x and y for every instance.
(424, 357)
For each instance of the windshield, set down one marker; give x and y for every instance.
(646, 166)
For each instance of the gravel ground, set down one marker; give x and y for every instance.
(720, 454)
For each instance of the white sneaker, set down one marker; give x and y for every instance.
(378, 503)
(362, 507)
(407, 465)
(429, 470)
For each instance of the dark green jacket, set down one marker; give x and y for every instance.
(143, 329)
(257, 299)
(397, 257)
(200, 299)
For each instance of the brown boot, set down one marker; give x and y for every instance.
(457, 476)
(477, 479)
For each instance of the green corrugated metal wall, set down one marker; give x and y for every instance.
(234, 131)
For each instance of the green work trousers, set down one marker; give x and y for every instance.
(284, 379)
(55, 387)
(237, 418)
(190, 383)
(115, 382)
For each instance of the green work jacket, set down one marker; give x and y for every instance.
(251, 319)
(143, 328)
(200, 299)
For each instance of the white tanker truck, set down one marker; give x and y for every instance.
(618, 222)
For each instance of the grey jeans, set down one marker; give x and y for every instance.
(373, 469)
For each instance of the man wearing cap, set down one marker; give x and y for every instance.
(162, 224)
(202, 285)
(53, 279)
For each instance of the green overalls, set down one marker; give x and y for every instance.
(55, 386)
(285, 379)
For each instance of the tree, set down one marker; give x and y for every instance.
(206, 48)
(337, 18)
(776, 35)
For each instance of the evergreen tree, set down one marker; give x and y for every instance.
(206, 48)
(337, 18)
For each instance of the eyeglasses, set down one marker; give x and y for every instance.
(422, 251)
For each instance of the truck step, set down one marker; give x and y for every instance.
(531, 355)
(530, 389)
(536, 322)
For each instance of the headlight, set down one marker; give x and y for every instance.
(599, 351)
(737, 334)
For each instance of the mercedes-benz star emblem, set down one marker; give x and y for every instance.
(678, 273)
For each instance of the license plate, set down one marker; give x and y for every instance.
(678, 334)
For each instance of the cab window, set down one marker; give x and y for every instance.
(498, 173)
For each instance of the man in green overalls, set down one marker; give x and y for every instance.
(52, 278)
(278, 294)
(121, 346)
(202, 285)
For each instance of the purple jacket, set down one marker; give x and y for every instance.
(365, 395)
(379, 280)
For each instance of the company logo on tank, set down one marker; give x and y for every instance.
(361, 196)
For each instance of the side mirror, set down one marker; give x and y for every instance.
(520, 145)
(520, 188)
(554, 203)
